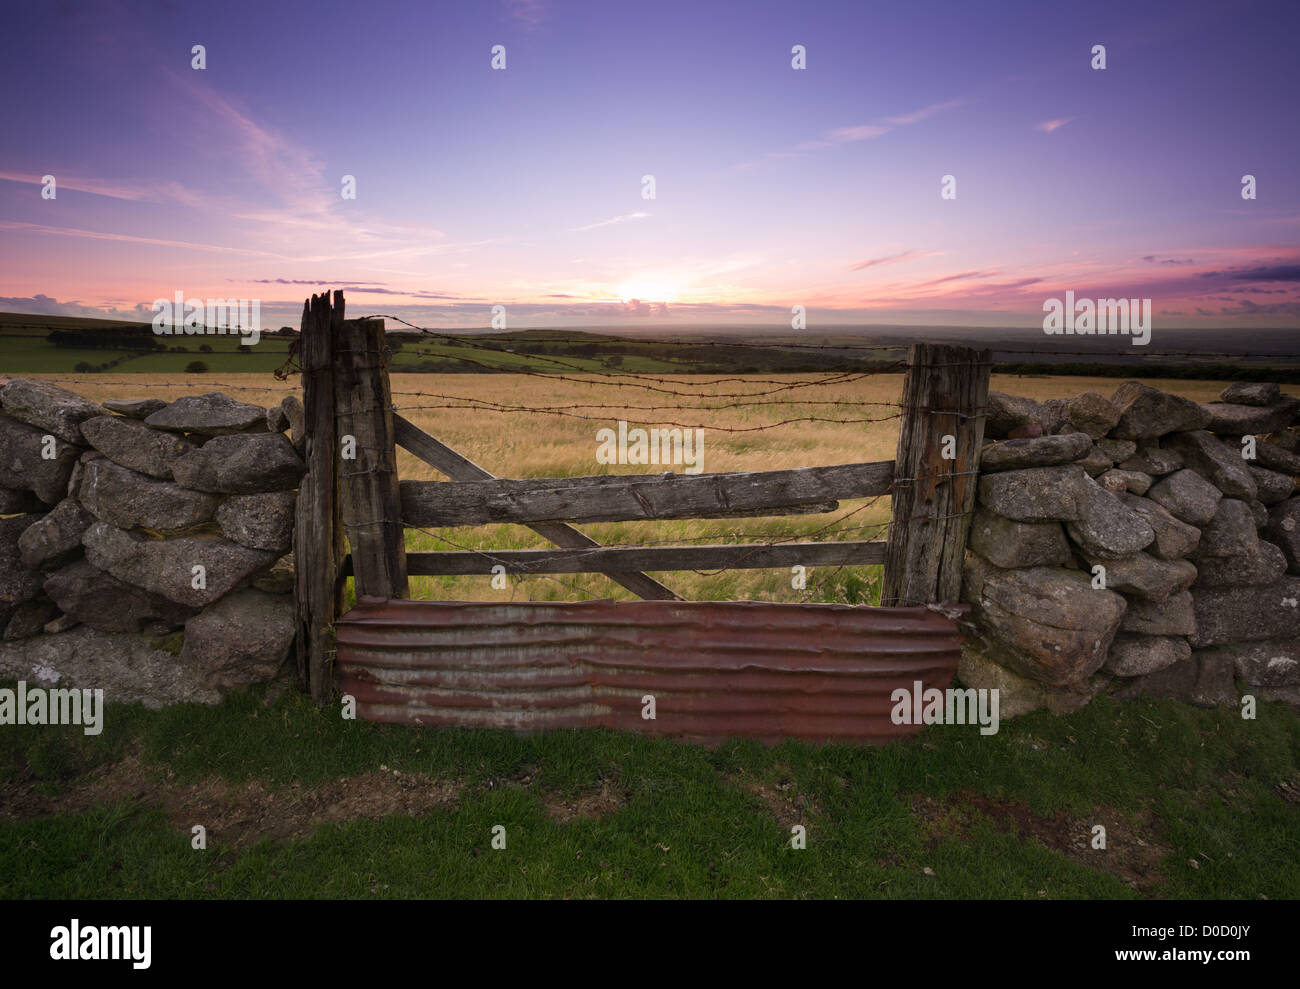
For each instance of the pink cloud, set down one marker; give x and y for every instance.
(1047, 126)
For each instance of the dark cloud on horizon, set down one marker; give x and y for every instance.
(359, 288)
(1244, 307)
(299, 281)
(44, 305)
(1274, 273)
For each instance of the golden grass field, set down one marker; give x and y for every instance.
(536, 444)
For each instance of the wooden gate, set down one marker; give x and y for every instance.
(701, 670)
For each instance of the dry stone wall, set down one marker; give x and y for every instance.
(145, 546)
(1137, 545)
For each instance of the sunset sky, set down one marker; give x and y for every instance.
(774, 187)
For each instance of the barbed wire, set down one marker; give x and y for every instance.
(785, 387)
(840, 377)
(486, 405)
(289, 366)
(659, 408)
(666, 422)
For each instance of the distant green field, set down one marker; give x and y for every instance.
(32, 354)
(29, 353)
(25, 349)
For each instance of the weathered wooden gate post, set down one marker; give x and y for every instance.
(372, 508)
(318, 537)
(945, 394)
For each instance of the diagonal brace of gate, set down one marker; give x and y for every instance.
(442, 457)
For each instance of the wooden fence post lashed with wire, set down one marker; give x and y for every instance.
(371, 511)
(944, 395)
(318, 536)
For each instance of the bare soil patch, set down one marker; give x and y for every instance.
(782, 797)
(593, 804)
(1132, 853)
(237, 814)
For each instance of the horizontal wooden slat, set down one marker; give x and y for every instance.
(632, 559)
(442, 457)
(632, 497)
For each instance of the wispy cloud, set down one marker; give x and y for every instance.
(926, 111)
(1047, 126)
(343, 255)
(291, 194)
(858, 132)
(893, 258)
(612, 220)
(843, 135)
(960, 276)
(132, 192)
(529, 13)
(831, 139)
(127, 238)
(293, 174)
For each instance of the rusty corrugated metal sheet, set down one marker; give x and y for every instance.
(717, 670)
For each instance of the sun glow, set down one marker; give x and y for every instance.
(646, 290)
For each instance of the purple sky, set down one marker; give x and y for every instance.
(774, 187)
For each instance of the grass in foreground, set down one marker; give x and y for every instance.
(300, 803)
